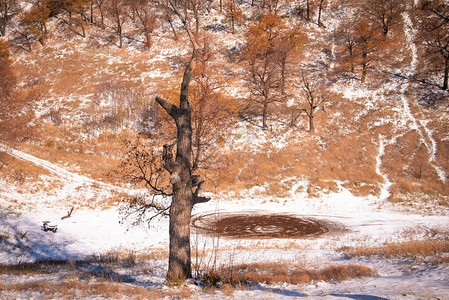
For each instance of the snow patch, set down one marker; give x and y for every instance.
(385, 190)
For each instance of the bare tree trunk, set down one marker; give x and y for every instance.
(92, 12)
(181, 178)
(307, 10)
(179, 268)
(183, 199)
(446, 73)
(283, 67)
(311, 126)
(4, 20)
(319, 12)
(175, 36)
(363, 72)
(265, 114)
(120, 35)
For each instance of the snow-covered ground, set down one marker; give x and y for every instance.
(368, 221)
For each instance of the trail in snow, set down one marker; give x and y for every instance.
(407, 115)
(408, 120)
(76, 178)
(385, 190)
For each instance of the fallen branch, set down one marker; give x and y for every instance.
(69, 213)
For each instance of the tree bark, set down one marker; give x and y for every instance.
(4, 20)
(307, 10)
(179, 268)
(363, 72)
(265, 114)
(446, 73)
(319, 12)
(183, 199)
(311, 126)
(283, 67)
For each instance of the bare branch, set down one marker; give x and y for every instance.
(168, 107)
(184, 21)
(196, 198)
(141, 209)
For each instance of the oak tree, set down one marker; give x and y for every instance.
(362, 44)
(211, 109)
(101, 5)
(34, 22)
(383, 13)
(8, 9)
(313, 94)
(368, 43)
(15, 112)
(184, 186)
(146, 19)
(233, 14)
(262, 59)
(435, 34)
(117, 11)
(75, 11)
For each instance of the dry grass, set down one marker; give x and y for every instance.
(41, 267)
(343, 160)
(120, 256)
(19, 171)
(74, 288)
(409, 166)
(444, 260)
(432, 248)
(91, 278)
(74, 279)
(272, 273)
(96, 159)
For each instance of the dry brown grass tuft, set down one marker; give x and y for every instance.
(227, 289)
(69, 289)
(75, 279)
(35, 268)
(120, 256)
(182, 292)
(153, 254)
(410, 249)
(272, 273)
(112, 289)
(444, 260)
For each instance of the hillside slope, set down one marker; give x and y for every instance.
(386, 137)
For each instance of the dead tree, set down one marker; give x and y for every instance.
(173, 188)
(180, 169)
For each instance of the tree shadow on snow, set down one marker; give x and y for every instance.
(92, 268)
(426, 92)
(359, 297)
(22, 240)
(278, 291)
(24, 245)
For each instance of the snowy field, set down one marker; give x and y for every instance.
(95, 231)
